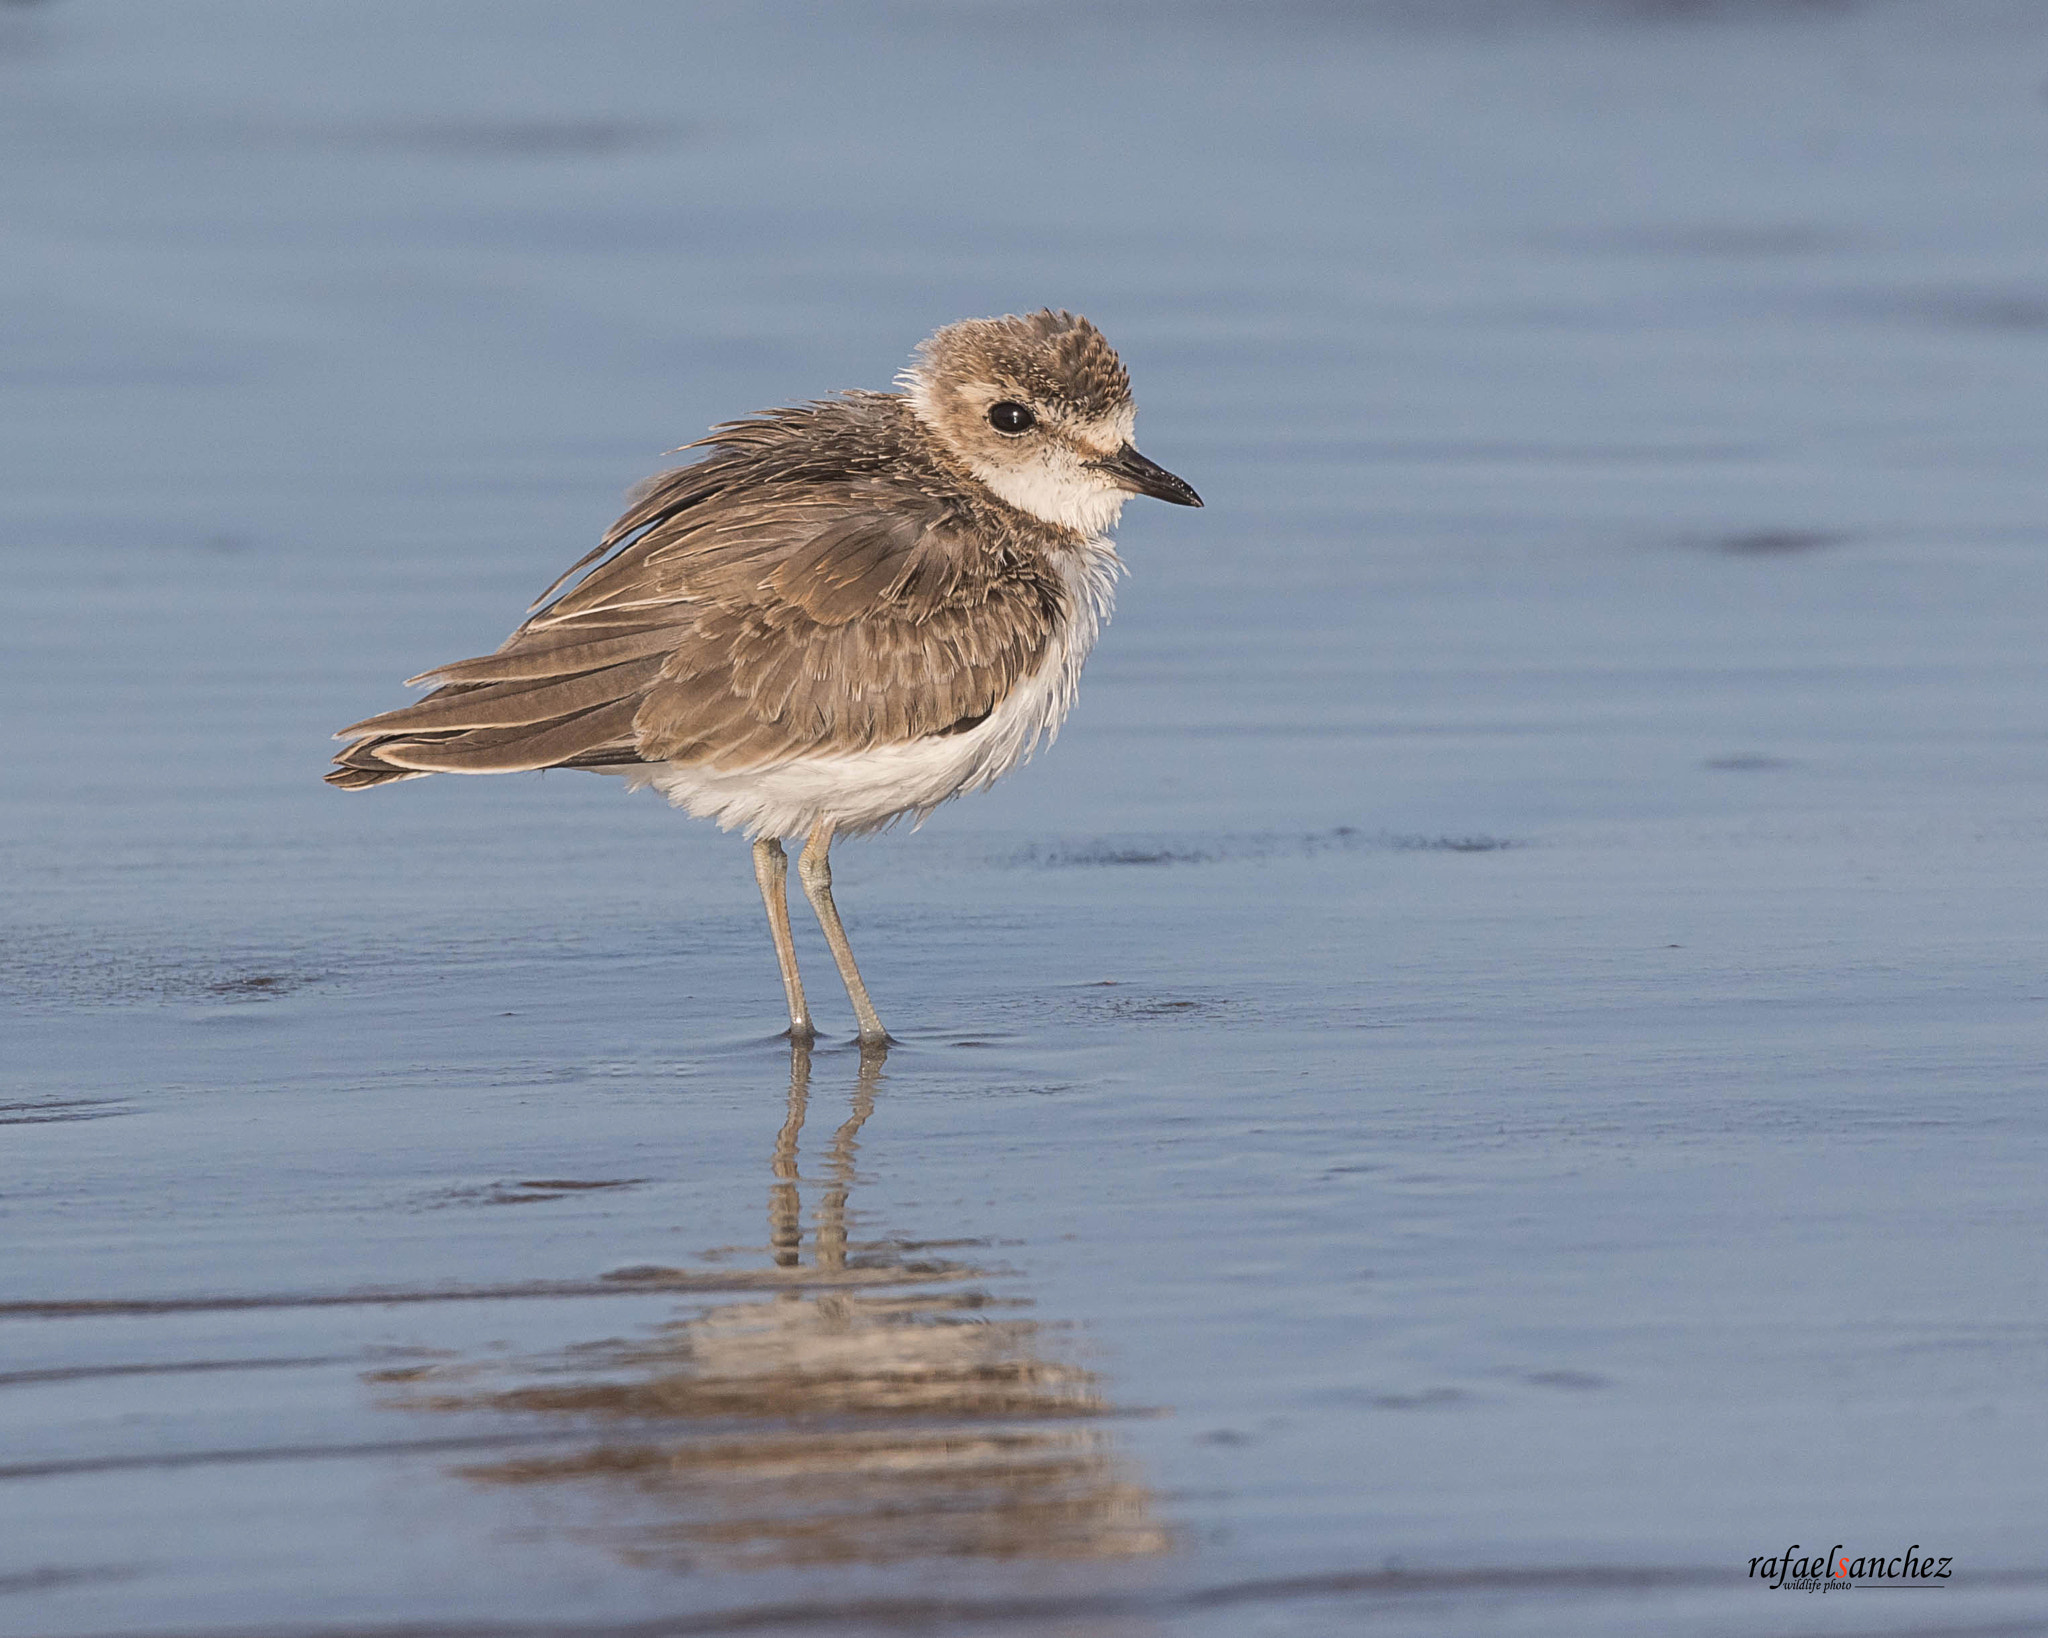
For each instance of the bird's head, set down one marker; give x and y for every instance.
(1039, 409)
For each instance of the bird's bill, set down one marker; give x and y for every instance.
(1142, 477)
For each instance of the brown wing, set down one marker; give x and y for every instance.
(739, 626)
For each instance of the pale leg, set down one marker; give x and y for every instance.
(815, 867)
(771, 870)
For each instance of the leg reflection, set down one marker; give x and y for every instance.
(832, 1210)
(785, 1204)
(785, 1200)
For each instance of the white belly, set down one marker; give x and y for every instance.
(865, 790)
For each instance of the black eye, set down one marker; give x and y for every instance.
(1009, 417)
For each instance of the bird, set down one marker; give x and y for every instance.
(847, 612)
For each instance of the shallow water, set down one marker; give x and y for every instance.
(1492, 1077)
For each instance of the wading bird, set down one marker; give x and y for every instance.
(849, 611)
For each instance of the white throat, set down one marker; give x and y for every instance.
(1078, 499)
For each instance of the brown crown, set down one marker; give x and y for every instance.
(1047, 356)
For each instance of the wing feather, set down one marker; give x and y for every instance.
(761, 605)
(538, 658)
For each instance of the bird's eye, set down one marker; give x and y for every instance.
(1011, 417)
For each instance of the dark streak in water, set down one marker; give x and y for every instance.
(56, 1109)
(1572, 1381)
(1781, 542)
(68, 968)
(2020, 308)
(1445, 844)
(524, 1193)
(623, 1283)
(158, 1461)
(258, 986)
(50, 1576)
(1229, 849)
(85, 1373)
(1427, 1399)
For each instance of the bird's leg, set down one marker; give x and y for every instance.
(771, 870)
(815, 867)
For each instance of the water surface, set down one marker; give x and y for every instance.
(1492, 1077)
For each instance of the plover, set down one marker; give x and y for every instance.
(850, 611)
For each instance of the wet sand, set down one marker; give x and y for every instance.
(1492, 1077)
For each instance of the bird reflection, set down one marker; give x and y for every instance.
(874, 1409)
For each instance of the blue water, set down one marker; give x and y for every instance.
(1493, 1076)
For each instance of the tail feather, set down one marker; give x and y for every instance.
(602, 733)
(523, 703)
(361, 779)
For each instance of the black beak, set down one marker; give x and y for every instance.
(1142, 477)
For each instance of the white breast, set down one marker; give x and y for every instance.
(865, 790)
